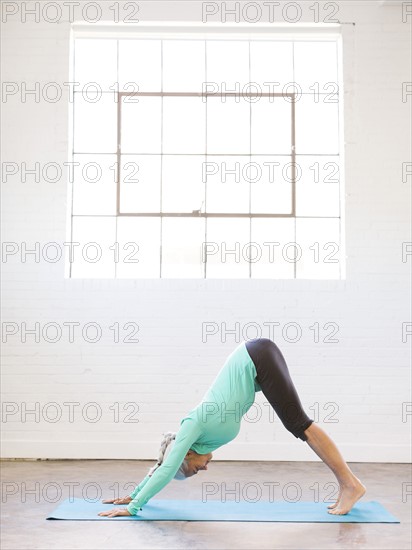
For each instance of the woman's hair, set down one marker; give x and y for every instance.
(168, 437)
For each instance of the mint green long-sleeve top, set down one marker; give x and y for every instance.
(213, 423)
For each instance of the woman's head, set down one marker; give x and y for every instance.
(192, 463)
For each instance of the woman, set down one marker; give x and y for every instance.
(255, 365)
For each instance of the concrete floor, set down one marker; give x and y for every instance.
(39, 485)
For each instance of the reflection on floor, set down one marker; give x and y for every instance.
(32, 489)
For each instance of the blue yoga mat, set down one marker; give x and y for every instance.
(195, 510)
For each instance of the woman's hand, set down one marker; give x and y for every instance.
(115, 512)
(123, 500)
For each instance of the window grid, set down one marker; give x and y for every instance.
(206, 215)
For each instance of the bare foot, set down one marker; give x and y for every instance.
(331, 506)
(349, 495)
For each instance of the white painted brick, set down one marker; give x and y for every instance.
(367, 373)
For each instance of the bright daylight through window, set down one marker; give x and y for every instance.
(207, 157)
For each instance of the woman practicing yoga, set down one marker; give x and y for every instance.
(254, 365)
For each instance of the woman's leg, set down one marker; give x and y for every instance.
(350, 487)
(274, 379)
(277, 386)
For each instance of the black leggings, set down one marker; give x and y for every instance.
(277, 386)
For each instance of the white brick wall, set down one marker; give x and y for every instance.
(366, 374)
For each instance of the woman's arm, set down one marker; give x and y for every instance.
(139, 487)
(129, 498)
(188, 433)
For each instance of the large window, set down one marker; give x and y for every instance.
(199, 154)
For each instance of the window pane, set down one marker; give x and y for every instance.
(271, 62)
(227, 190)
(139, 63)
(227, 248)
(95, 124)
(271, 126)
(317, 129)
(228, 126)
(141, 125)
(183, 65)
(95, 60)
(182, 187)
(182, 240)
(227, 63)
(184, 121)
(315, 62)
(271, 186)
(139, 247)
(271, 236)
(93, 257)
(317, 190)
(140, 183)
(94, 184)
(319, 243)
(189, 155)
